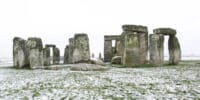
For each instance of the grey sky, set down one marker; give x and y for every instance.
(57, 20)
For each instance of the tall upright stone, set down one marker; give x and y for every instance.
(108, 51)
(46, 56)
(66, 55)
(56, 56)
(143, 45)
(71, 49)
(118, 47)
(136, 45)
(81, 52)
(131, 51)
(20, 56)
(100, 56)
(35, 51)
(174, 50)
(156, 49)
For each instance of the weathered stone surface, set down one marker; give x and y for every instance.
(50, 45)
(135, 28)
(100, 57)
(71, 49)
(156, 49)
(141, 33)
(46, 56)
(116, 60)
(131, 56)
(92, 55)
(97, 61)
(165, 31)
(111, 37)
(88, 67)
(66, 55)
(143, 44)
(56, 56)
(108, 52)
(118, 47)
(35, 49)
(81, 52)
(174, 50)
(20, 56)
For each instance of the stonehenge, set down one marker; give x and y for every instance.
(133, 46)
(130, 49)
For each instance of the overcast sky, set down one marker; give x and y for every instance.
(57, 20)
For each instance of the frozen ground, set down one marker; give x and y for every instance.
(168, 82)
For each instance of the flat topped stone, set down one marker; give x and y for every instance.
(50, 45)
(34, 42)
(135, 28)
(112, 37)
(80, 34)
(165, 31)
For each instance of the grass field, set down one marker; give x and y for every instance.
(167, 82)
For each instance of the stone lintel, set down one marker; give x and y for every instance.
(164, 31)
(50, 45)
(111, 37)
(135, 28)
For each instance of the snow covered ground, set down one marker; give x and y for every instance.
(167, 82)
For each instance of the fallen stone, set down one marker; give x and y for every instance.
(88, 67)
(116, 60)
(97, 61)
(54, 68)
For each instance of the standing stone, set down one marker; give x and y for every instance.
(46, 56)
(92, 55)
(66, 55)
(81, 52)
(137, 45)
(143, 44)
(118, 48)
(35, 49)
(108, 51)
(56, 55)
(131, 51)
(174, 50)
(156, 49)
(20, 56)
(71, 49)
(100, 56)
